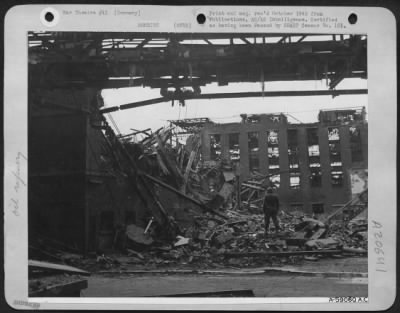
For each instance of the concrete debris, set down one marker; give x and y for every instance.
(181, 241)
(137, 235)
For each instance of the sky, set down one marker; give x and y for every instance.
(304, 109)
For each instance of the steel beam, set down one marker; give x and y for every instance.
(293, 93)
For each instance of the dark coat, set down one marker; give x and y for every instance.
(271, 203)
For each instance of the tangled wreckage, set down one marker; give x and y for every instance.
(102, 200)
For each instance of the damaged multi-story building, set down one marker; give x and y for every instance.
(84, 186)
(309, 164)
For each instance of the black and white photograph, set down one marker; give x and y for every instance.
(197, 164)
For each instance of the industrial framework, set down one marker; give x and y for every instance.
(181, 64)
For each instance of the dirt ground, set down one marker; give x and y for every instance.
(285, 284)
(264, 285)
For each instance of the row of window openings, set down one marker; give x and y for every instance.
(273, 149)
(312, 135)
(315, 176)
(273, 141)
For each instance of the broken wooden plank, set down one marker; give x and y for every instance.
(188, 167)
(357, 198)
(47, 266)
(253, 187)
(254, 182)
(244, 191)
(176, 191)
(251, 195)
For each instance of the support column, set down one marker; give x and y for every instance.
(324, 159)
(283, 157)
(345, 150)
(263, 150)
(244, 154)
(304, 169)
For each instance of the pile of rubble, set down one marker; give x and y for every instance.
(228, 230)
(239, 241)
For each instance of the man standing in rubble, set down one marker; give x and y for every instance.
(271, 208)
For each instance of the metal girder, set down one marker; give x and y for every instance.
(179, 63)
(301, 93)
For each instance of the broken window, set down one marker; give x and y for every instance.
(273, 155)
(294, 163)
(314, 162)
(273, 151)
(274, 168)
(313, 150)
(234, 148)
(293, 148)
(333, 134)
(337, 176)
(335, 157)
(253, 142)
(317, 208)
(254, 163)
(355, 144)
(272, 136)
(294, 180)
(275, 180)
(293, 151)
(334, 149)
(315, 175)
(215, 147)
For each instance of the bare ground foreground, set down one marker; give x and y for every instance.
(261, 285)
(312, 279)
